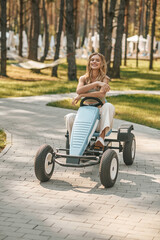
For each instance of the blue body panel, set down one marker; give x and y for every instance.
(83, 129)
(84, 123)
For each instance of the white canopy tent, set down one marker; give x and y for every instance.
(95, 40)
(132, 41)
(89, 46)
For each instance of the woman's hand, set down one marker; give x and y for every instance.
(104, 86)
(76, 99)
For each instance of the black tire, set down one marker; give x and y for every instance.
(129, 150)
(44, 163)
(108, 169)
(67, 143)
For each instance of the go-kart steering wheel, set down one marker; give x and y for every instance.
(99, 102)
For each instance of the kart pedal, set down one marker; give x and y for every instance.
(98, 148)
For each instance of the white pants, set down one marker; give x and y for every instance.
(107, 112)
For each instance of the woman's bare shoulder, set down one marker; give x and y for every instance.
(83, 79)
(106, 79)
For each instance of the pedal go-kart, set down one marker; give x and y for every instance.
(81, 152)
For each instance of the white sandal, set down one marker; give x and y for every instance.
(99, 142)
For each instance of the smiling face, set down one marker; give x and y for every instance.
(95, 62)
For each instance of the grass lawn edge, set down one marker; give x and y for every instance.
(143, 112)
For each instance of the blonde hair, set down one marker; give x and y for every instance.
(102, 70)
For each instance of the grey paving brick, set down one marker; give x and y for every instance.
(73, 204)
(35, 237)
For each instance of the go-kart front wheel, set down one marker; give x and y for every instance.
(44, 163)
(108, 169)
(129, 150)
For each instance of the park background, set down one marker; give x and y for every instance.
(45, 46)
(74, 204)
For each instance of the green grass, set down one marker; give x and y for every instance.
(2, 140)
(140, 78)
(139, 108)
(21, 82)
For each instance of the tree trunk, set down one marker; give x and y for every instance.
(108, 37)
(118, 44)
(34, 30)
(72, 71)
(126, 30)
(101, 28)
(21, 27)
(153, 32)
(106, 17)
(46, 32)
(3, 37)
(85, 23)
(147, 3)
(58, 41)
(139, 30)
(76, 5)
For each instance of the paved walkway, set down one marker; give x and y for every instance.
(73, 204)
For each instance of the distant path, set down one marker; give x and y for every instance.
(44, 99)
(115, 93)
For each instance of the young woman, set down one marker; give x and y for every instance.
(95, 83)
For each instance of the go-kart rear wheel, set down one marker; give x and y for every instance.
(108, 169)
(67, 143)
(44, 163)
(129, 150)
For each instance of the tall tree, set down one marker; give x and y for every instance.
(147, 14)
(108, 37)
(85, 23)
(20, 27)
(126, 30)
(106, 18)
(72, 71)
(46, 32)
(154, 8)
(118, 44)
(34, 30)
(139, 30)
(58, 40)
(3, 37)
(76, 5)
(101, 28)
